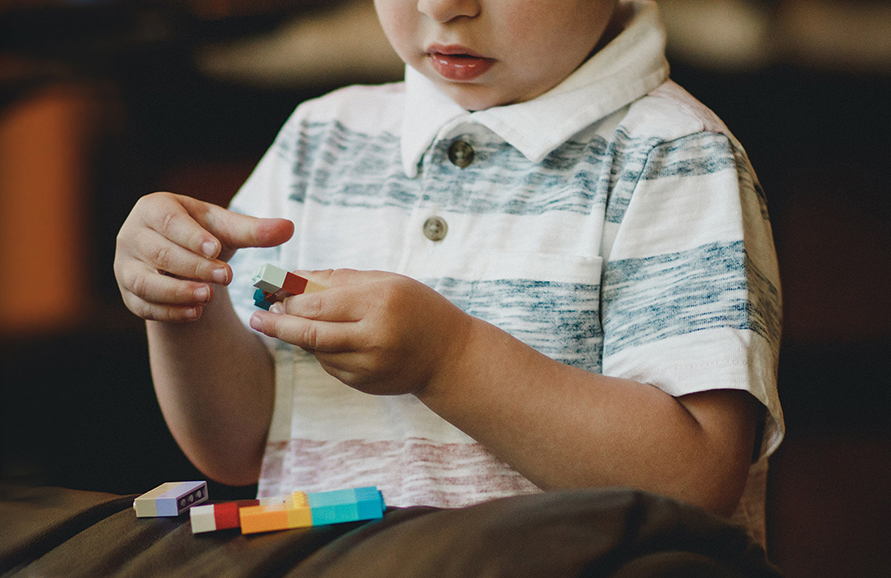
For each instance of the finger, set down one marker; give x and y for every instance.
(163, 289)
(333, 305)
(309, 334)
(343, 277)
(164, 313)
(349, 295)
(237, 231)
(163, 254)
(171, 216)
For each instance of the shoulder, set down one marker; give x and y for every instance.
(669, 113)
(362, 108)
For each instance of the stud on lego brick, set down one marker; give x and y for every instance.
(170, 499)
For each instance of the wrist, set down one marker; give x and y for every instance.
(459, 363)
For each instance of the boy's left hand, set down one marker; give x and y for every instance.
(381, 333)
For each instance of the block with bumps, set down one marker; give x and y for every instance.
(291, 512)
(299, 510)
(274, 284)
(170, 499)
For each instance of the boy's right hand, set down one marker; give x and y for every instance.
(172, 249)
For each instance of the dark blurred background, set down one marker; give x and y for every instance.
(104, 101)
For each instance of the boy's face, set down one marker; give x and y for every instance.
(485, 53)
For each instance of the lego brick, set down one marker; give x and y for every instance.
(263, 299)
(350, 505)
(213, 517)
(202, 519)
(170, 499)
(369, 503)
(269, 278)
(294, 284)
(312, 287)
(274, 284)
(299, 510)
(289, 513)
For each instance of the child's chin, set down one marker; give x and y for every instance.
(474, 97)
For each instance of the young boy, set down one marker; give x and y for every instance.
(547, 266)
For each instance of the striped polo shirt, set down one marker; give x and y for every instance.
(613, 224)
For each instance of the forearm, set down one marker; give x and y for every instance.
(564, 427)
(215, 384)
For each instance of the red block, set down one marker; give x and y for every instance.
(226, 515)
(294, 284)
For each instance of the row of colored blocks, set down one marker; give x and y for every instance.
(274, 284)
(299, 510)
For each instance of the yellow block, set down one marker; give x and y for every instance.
(293, 513)
(299, 514)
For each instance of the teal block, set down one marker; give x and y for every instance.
(350, 505)
(261, 301)
(331, 498)
(369, 503)
(333, 507)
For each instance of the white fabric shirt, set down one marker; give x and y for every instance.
(613, 224)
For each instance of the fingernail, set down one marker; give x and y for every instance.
(277, 308)
(209, 248)
(202, 294)
(220, 276)
(255, 322)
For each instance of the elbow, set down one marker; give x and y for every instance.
(232, 477)
(227, 469)
(717, 490)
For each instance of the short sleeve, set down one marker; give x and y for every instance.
(690, 290)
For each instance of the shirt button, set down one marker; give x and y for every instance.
(461, 154)
(435, 228)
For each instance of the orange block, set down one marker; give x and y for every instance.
(292, 513)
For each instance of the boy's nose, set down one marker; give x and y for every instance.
(446, 10)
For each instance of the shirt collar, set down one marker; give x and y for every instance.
(629, 67)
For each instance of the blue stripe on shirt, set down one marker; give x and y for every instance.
(353, 169)
(712, 286)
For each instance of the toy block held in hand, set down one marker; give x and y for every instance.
(274, 284)
(170, 499)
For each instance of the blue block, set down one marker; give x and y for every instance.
(350, 505)
(260, 300)
(370, 503)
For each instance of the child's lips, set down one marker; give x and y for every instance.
(458, 63)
